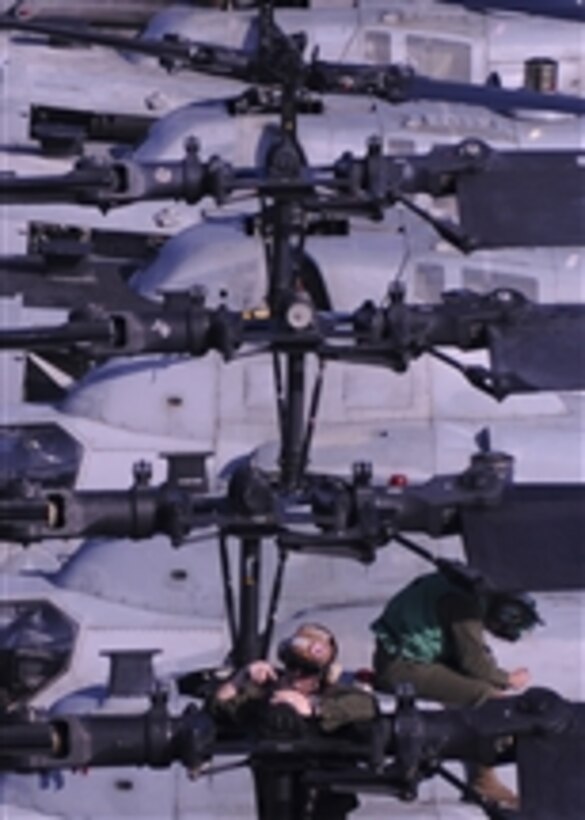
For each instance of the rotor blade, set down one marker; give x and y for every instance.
(559, 9)
(544, 349)
(83, 35)
(213, 59)
(106, 183)
(118, 13)
(398, 84)
(532, 347)
(67, 187)
(514, 201)
(58, 336)
(181, 325)
(533, 540)
(500, 99)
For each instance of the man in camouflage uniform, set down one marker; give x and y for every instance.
(303, 693)
(431, 634)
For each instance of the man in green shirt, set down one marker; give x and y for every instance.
(431, 634)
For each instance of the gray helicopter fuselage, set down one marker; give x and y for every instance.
(81, 628)
(412, 128)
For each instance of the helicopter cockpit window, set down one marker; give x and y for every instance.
(38, 452)
(36, 644)
(438, 58)
(484, 281)
(377, 47)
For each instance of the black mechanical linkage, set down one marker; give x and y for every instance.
(327, 514)
(505, 198)
(391, 754)
(182, 325)
(532, 347)
(331, 516)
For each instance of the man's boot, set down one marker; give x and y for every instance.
(486, 783)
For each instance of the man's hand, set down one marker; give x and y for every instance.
(299, 702)
(261, 672)
(518, 678)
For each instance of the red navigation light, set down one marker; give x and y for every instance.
(364, 677)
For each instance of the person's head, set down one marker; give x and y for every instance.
(309, 655)
(508, 615)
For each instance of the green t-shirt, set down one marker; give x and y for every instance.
(409, 626)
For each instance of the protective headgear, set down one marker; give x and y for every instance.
(509, 614)
(312, 649)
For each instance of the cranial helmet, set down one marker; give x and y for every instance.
(509, 614)
(311, 649)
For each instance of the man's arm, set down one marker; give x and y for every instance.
(248, 686)
(344, 706)
(257, 672)
(461, 619)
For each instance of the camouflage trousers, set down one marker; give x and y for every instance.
(431, 681)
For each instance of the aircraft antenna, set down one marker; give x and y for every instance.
(405, 259)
